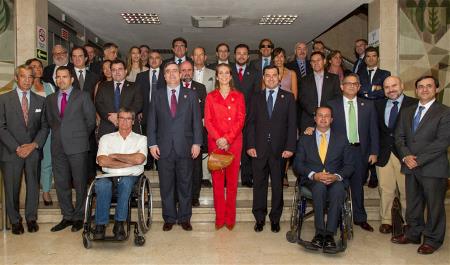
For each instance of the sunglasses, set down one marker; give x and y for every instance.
(266, 46)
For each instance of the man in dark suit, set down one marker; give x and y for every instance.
(113, 95)
(357, 118)
(360, 51)
(301, 65)
(179, 49)
(246, 80)
(175, 110)
(23, 131)
(372, 77)
(265, 50)
(222, 54)
(71, 116)
(391, 180)
(186, 73)
(271, 138)
(110, 51)
(92, 56)
(422, 139)
(324, 163)
(316, 90)
(60, 58)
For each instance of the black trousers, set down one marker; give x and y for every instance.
(197, 176)
(356, 184)
(246, 163)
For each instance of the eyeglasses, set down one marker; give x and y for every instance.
(355, 84)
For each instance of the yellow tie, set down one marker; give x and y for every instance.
(323, 147)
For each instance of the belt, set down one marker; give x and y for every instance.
(355, 144)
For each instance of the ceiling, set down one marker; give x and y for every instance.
(103, 18)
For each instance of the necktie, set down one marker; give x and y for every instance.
(270, 103)
(302, 69)
(352, 130)
(179, 61)
(81, 80)
(173, 103)
(117, 97)
(370, 74)
(358, 62)
(240, 76)
(416, 120)
(154, 84)
(323, 147)
(25, 107)
(63, 104)
(266, 62)
(393, 115)
(186, 84)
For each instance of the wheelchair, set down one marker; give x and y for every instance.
(140, 198)
(302, 198)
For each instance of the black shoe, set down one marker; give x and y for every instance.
(275, 227)
(195, 203)
(206, 183)
(373, 183)
(259, 226)
(186, 226)
(17, 229)
(317, 241)
(119, 231)
(32, 226)
(247, 184)
(77, 225)
(329, 245)
(167, 226)
(99, 232)
(63, 224)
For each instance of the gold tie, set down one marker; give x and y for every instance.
(323, 147)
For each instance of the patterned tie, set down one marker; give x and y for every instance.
(186, 84)
(270, 103)
(352, 130)
(173, 103)
(179, 61)
(416, 120)
(117, 97)
(81, 79)
(63, 104)
(240, 76)
(323, 147)
(393, 115)
(266, 62)
(25, 107)
(302, 68)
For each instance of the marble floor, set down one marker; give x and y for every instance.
(204, 245)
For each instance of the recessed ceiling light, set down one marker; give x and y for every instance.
(141, 18)
(277, 19)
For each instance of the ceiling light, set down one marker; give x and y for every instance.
(277, 19)
(141, 18)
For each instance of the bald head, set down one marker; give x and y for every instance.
(393, 87)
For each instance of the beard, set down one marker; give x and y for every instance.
(60, 62)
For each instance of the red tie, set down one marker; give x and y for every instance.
(63, 105)
(186, 84)
(240, 76)
(173, 104)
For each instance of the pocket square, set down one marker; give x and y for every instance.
(38, 110)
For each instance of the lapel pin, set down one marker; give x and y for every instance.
(185, 96)
(282, 96)
(362, 103)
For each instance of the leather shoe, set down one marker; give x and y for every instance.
(167, 226)
(385, 229)
(99, 232)
(259, 226)
(32, 226)
(63, 224)
(186, 226)
(426, 249)
(402, 239)
(247, 184)
(275, 227)
(77, 225)
(329, 245)
(317, 241)
(230, 226)
(195, 203)
(206, 183)
(119, 231)
(373, 183)
(365, 226)
(17, 229)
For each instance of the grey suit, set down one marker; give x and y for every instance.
(14, 133)
(70, 145)
(427, 183)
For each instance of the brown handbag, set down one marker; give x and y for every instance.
(218, 161)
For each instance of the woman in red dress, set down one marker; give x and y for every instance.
(224, 121)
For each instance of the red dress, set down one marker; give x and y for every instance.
(225, 118)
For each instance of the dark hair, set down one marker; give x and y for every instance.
(277, 51)
(169, 63)
(222, 44)
(127, 110)
(89, 45)
(65, 68)
(29, 61)
(101, 69)
(351, 75)
(109, 45)
(436, 81)
(263, 40)
(118, 61)
(217, 84)
(324, 107)
(144, 46)
(318, 42)
(199, 47)
(270, 66)
(331, 55)
(371, 49)
(179, 39)
(363, 40)
(319, 53)
(79, 48)
(241, 45)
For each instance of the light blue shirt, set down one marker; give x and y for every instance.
(389, 105)
(426, 108)
(169, 93)
(300, 62)
(318, 139)
(274, 95)
(68, 92)
(20, 94)
(263, 61)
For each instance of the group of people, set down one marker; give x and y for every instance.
(335, 125)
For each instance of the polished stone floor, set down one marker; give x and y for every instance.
(204, 245)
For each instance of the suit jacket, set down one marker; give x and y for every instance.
(90, 80)
(70, 135)
(308, 96)
(209, 79)
(13, 131)
(130, 97)
(280, 127)
(367, 124)
(200, 89)
(257, 65)
(293, 65)
(366, 85)
(47, 76)
(362, 65)
(143, 82)
(387, 140)
(250, 84)
(180, 132)
(429, 142)
(337, 161)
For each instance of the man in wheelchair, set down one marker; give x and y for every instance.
(324, 163)
(122, 153)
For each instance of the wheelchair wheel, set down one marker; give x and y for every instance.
(348, 219)
(87, 243)
(145, 205)
(89, 210)
(291, 235)
(139, 241)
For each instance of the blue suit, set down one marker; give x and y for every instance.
(366, 85)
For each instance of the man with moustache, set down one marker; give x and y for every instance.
(301, 65)
(60, 58)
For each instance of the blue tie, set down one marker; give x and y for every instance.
(117, 97)
(266, 62)
(416, 120)
(357, 65)
(270, 103)
(393, 115)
